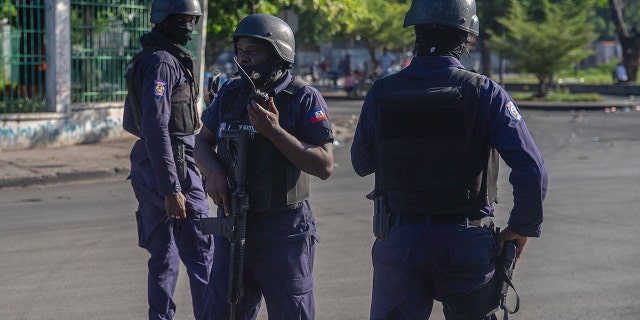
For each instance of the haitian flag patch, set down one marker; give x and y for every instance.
(317, 116)
(159, 88)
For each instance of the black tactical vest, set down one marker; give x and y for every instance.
(273, 182)
(430, 158)
(184, 118)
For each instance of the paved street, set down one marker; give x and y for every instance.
(70, 251)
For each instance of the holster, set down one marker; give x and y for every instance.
(381, 216)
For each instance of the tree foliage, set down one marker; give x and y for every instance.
(543, 45)
(488, 11)
(629, 41)
(381, 26)
(319, 19)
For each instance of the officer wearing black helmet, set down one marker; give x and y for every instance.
(430, 134)
(290, 139)
(161, 110)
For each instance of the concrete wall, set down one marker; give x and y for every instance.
(83, 124)
(66, 123)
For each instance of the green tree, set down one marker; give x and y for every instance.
(488, 11)
(629, 41)
(544, 44)
(319, 19)
(381, 26)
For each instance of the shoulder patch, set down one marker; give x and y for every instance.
(513, 111)
(160, 87)
(317, 115)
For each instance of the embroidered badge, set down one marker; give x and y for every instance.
(317, 116)
(160, 87)
(513, 111)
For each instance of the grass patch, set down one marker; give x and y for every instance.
(558, 96)
(601, 74)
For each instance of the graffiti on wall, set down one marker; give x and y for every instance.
(81, 128)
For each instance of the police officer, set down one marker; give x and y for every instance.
(290, 139)
(161, 110)
(430, 134)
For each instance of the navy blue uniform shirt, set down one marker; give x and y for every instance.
(308, 121)
(507, 133)
(157, 75)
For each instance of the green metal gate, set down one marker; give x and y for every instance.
(22, 51)
(104, 37)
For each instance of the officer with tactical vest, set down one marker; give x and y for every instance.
(431, 133)
(290, 139)
(161, 110)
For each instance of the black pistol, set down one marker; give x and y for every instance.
(505, 264)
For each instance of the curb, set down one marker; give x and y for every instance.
(65, 177)
(555, 106)
(534, 105)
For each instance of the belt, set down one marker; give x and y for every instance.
(415, 218)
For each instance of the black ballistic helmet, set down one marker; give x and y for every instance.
(269, 28)
(458, 14)
(161, 9)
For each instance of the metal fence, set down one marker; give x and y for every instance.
(22, 51)
(104, 37)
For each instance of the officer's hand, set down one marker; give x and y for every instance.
(217, 188)
(175, 205)
(265, 121)
(508, 234)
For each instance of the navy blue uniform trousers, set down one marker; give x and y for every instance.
(420, 263)
(278, 267)
(168, 241)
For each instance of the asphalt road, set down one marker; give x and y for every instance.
(70, 251)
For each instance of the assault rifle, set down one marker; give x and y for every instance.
(234, 226)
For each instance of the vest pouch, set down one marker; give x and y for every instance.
(297, 184)
(183, 121)
(132, 112)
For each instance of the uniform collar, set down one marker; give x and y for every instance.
(420, 63)
(281, 84)
(436, 61)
